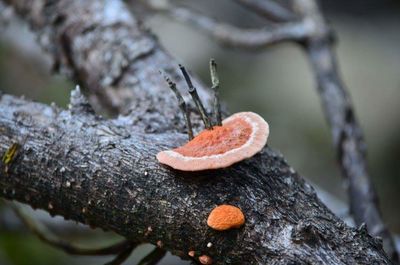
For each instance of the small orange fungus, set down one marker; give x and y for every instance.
(241, 136)
(224, 217)
(204, 259)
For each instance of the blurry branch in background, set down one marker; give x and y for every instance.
(9, 222)
(6, 14)
(304, 24)
(230, 35)
(153, 257)
(268, 9)
(215, 88)
(120, 249)
(122, 256)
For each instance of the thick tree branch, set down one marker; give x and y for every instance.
(104, 172)
(100, 173)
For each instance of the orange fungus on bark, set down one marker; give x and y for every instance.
(225, 217)
(241, 136)
(219, 140)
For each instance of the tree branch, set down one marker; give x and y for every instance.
(268, 9)
(346, 132)
(122, 256)
(46, 236)
(101, 173)
(104, 172)
(232, 36)
(153, 257)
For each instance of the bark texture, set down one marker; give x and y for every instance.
(104, 172)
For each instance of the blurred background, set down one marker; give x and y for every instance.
(276, 83)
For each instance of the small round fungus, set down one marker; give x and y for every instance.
(240, 136)
(224, 217)
(204, 259)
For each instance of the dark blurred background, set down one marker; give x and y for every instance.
(276, 83)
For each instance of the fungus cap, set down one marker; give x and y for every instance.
(224, 217)
(241, 136)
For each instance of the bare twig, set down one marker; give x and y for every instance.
(153, 257)
(268, 9)
(237, 37)
(182, 106)
(46, 236)
(215, 87)
(196, 98)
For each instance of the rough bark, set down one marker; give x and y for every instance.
(104, 172)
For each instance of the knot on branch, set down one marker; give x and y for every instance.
(78, 103)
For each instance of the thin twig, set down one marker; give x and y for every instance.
(233, 36)
(153, 257)
(122, 256)
(46, 236)
(268, 9)
(196, 98)
(215, 87)
(182, 105)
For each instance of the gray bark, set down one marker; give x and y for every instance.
(103, 172)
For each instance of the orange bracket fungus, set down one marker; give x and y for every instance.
(222, 143)
(224, 217)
